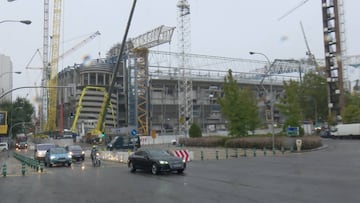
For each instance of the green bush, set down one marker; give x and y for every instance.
(259, 142)
(195, 130)
(210, 141)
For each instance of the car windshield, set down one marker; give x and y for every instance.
(114, 140)
(75, 148)
(158, 152)
(58, 151)
(45, 146)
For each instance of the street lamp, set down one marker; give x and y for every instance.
(26, 22)
(16, 72)
(271, 98)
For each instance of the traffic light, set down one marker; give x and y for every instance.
(102, 135)
(71, 115)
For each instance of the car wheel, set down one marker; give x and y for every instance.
(131, 165)
(180, 171)
(154, 169)
(69, 164)
(50, 165)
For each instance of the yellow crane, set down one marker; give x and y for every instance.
(52, 83)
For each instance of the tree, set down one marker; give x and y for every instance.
(290, 105)
(194, 130)
(19, 111)
(313, 97)
(239, 107)
(352, 109)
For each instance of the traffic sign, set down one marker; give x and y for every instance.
(133, 132)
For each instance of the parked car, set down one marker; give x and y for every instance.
(40, 150)
(76, 152)
(156, 161)
(3, 146)
(57, 155)
(124, 142)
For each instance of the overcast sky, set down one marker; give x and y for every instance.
(229, 28)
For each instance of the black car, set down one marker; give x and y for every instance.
(76, 152)
(156, 161)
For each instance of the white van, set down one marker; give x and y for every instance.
(40, 150)
(3, 146)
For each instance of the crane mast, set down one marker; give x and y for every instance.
(184, 82)
(45, 74)
(333, 56)
(51, 125)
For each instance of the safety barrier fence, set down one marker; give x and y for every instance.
(34, 164)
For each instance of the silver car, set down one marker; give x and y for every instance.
(40, 150)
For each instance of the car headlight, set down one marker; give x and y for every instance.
(82, 152)
(70, 153)
(163, 162)
(184, 161)
(52, 157)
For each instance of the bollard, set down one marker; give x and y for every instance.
(226, 153)
(254, 152)
(245, 155)
(217, 155)
(202, 155)
(264, 151)
(41, 166)
(282, 149)
(236, 153)
(4, 170)
(23, 168)
(37, 165)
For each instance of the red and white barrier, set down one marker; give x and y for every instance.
(183, 153)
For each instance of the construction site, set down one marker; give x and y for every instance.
(162, 92)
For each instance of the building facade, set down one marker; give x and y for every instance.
(163, 104)
(6, 77)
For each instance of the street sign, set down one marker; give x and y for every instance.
(292, 131)
(133, 132)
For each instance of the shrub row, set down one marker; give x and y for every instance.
(259, 142)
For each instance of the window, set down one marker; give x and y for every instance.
(101, 79)
(92, 78)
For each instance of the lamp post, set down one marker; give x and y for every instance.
(26, 22)
(4, 73)
(271, 98)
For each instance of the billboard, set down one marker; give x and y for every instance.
(3, 123)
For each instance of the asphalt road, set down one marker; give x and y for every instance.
(327, 175)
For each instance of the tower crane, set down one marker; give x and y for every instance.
(52, 83)
(66, 53)
(184, 82)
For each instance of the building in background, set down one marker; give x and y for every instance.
(6, 76)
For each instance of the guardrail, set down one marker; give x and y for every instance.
(32, 163)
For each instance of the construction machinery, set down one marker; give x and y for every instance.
(66, 53)
(99, 129)
(184, 82)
